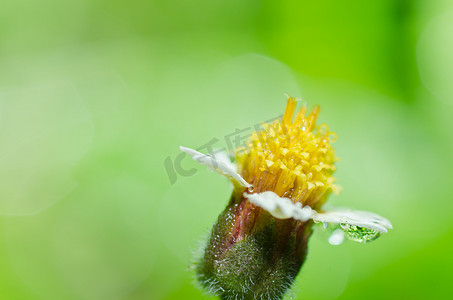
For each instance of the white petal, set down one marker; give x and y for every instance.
(284, 208)
(222, 157)
(217, 164)
(280, 207)
(354, 217)
(337, 237)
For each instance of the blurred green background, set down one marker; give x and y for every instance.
(96, 95)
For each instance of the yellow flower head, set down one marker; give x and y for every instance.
(293, 159)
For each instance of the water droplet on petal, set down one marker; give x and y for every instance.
(361, 234)
(344, 226)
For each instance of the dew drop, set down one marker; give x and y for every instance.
(344, 226)
(361, 234)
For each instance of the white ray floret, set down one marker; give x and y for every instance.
(280, 207)
(222, 157)
(284, 208)
(355, 217)
(219, 163)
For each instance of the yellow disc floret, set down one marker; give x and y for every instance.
(294, 159)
